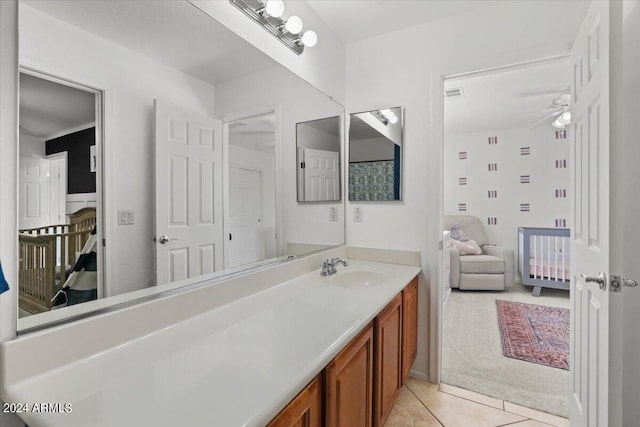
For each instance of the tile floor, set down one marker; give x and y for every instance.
(422, 404)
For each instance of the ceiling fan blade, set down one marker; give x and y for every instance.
(543, 92)
(548, 109)
(542, 120)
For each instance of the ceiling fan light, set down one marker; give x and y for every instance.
(566, 117)
(393, 119)
(557, 123)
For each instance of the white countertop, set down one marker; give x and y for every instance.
(236, 365)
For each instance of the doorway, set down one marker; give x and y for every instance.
(250, 222)
(59, 193)
(506, 169)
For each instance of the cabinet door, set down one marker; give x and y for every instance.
(349, 384)
(388, 359)
(409, 326)
(305, 410)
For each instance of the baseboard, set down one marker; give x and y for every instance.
(418, 375)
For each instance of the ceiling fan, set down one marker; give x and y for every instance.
(559, 112)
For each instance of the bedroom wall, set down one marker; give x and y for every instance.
(31, 146)
(404, 68)
(295, 101)
(132, 82)
(529, 186)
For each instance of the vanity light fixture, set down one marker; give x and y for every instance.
(269, 15)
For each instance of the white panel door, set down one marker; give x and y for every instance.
(58, 190)
(188, 192)
(33, 185)
(246, 242)
(321, 175)
(590, 240)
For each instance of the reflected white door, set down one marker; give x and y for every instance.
(188, 174)
(33, 183)
(58, 190)
(321, 175)
(246, 242)
(591, 330)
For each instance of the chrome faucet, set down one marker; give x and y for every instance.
(329, 266)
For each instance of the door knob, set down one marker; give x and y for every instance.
(600, 279)
(165, 239)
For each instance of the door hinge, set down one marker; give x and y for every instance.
(617, 282)
(303, 165)
(104, 242)
(230, 237)
(440, 244)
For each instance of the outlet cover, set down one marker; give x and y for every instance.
(125, 217)
(333, 214)
(357, 214)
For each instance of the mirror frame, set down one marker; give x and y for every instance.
(340, 156)
(134, 298)
(401, 122)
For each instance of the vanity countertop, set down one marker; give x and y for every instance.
(236, 365)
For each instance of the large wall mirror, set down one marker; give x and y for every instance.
(375, 155)
(157, 150)
(318, 144)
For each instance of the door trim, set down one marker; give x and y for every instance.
(104, 151)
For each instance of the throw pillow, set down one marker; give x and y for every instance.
(470, 247)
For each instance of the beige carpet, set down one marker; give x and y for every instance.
(472, 351)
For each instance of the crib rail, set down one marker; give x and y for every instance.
(544, 257)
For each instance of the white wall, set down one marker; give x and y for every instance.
(295, 101)
(371, 149)
(540, 165)
(131, 82)
(323, 65)
(310, 137)
(266, 164)
(417, 57)
(32, 146)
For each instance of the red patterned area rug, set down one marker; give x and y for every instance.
(534, 333)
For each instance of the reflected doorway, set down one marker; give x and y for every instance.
(251, 219)
(58, 194)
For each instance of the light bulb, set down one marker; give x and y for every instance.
(274, 8)
(566, 116)
(309, 38)
(557, 124)
(393, 119)
(293, 25)
(386, 112)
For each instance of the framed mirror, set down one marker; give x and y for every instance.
(375, 155)
(318, 160)
(172, 141)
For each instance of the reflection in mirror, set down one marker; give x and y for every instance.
(318, 160)
(375, 155)
(173, 140)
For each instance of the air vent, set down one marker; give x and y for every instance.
(453, 94)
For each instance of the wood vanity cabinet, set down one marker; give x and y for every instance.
(409, 326)
(387, 359)
(305, 410)
(349, 384)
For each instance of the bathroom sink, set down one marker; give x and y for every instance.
(357, 278)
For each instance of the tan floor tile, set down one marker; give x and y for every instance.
(471, 395)
(454, 411)
(409, 412)
(529, 423)
(536, 415)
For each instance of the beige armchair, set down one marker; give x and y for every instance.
(493, 270)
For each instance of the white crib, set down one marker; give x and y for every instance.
(544, 258)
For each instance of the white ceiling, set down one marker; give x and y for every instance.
(173, 32)
(354, 20)
(508, 99)
(48, 108)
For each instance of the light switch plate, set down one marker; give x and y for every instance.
(357, 214)
(125, 217)
(333, 214)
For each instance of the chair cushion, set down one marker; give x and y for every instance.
(481, 264)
